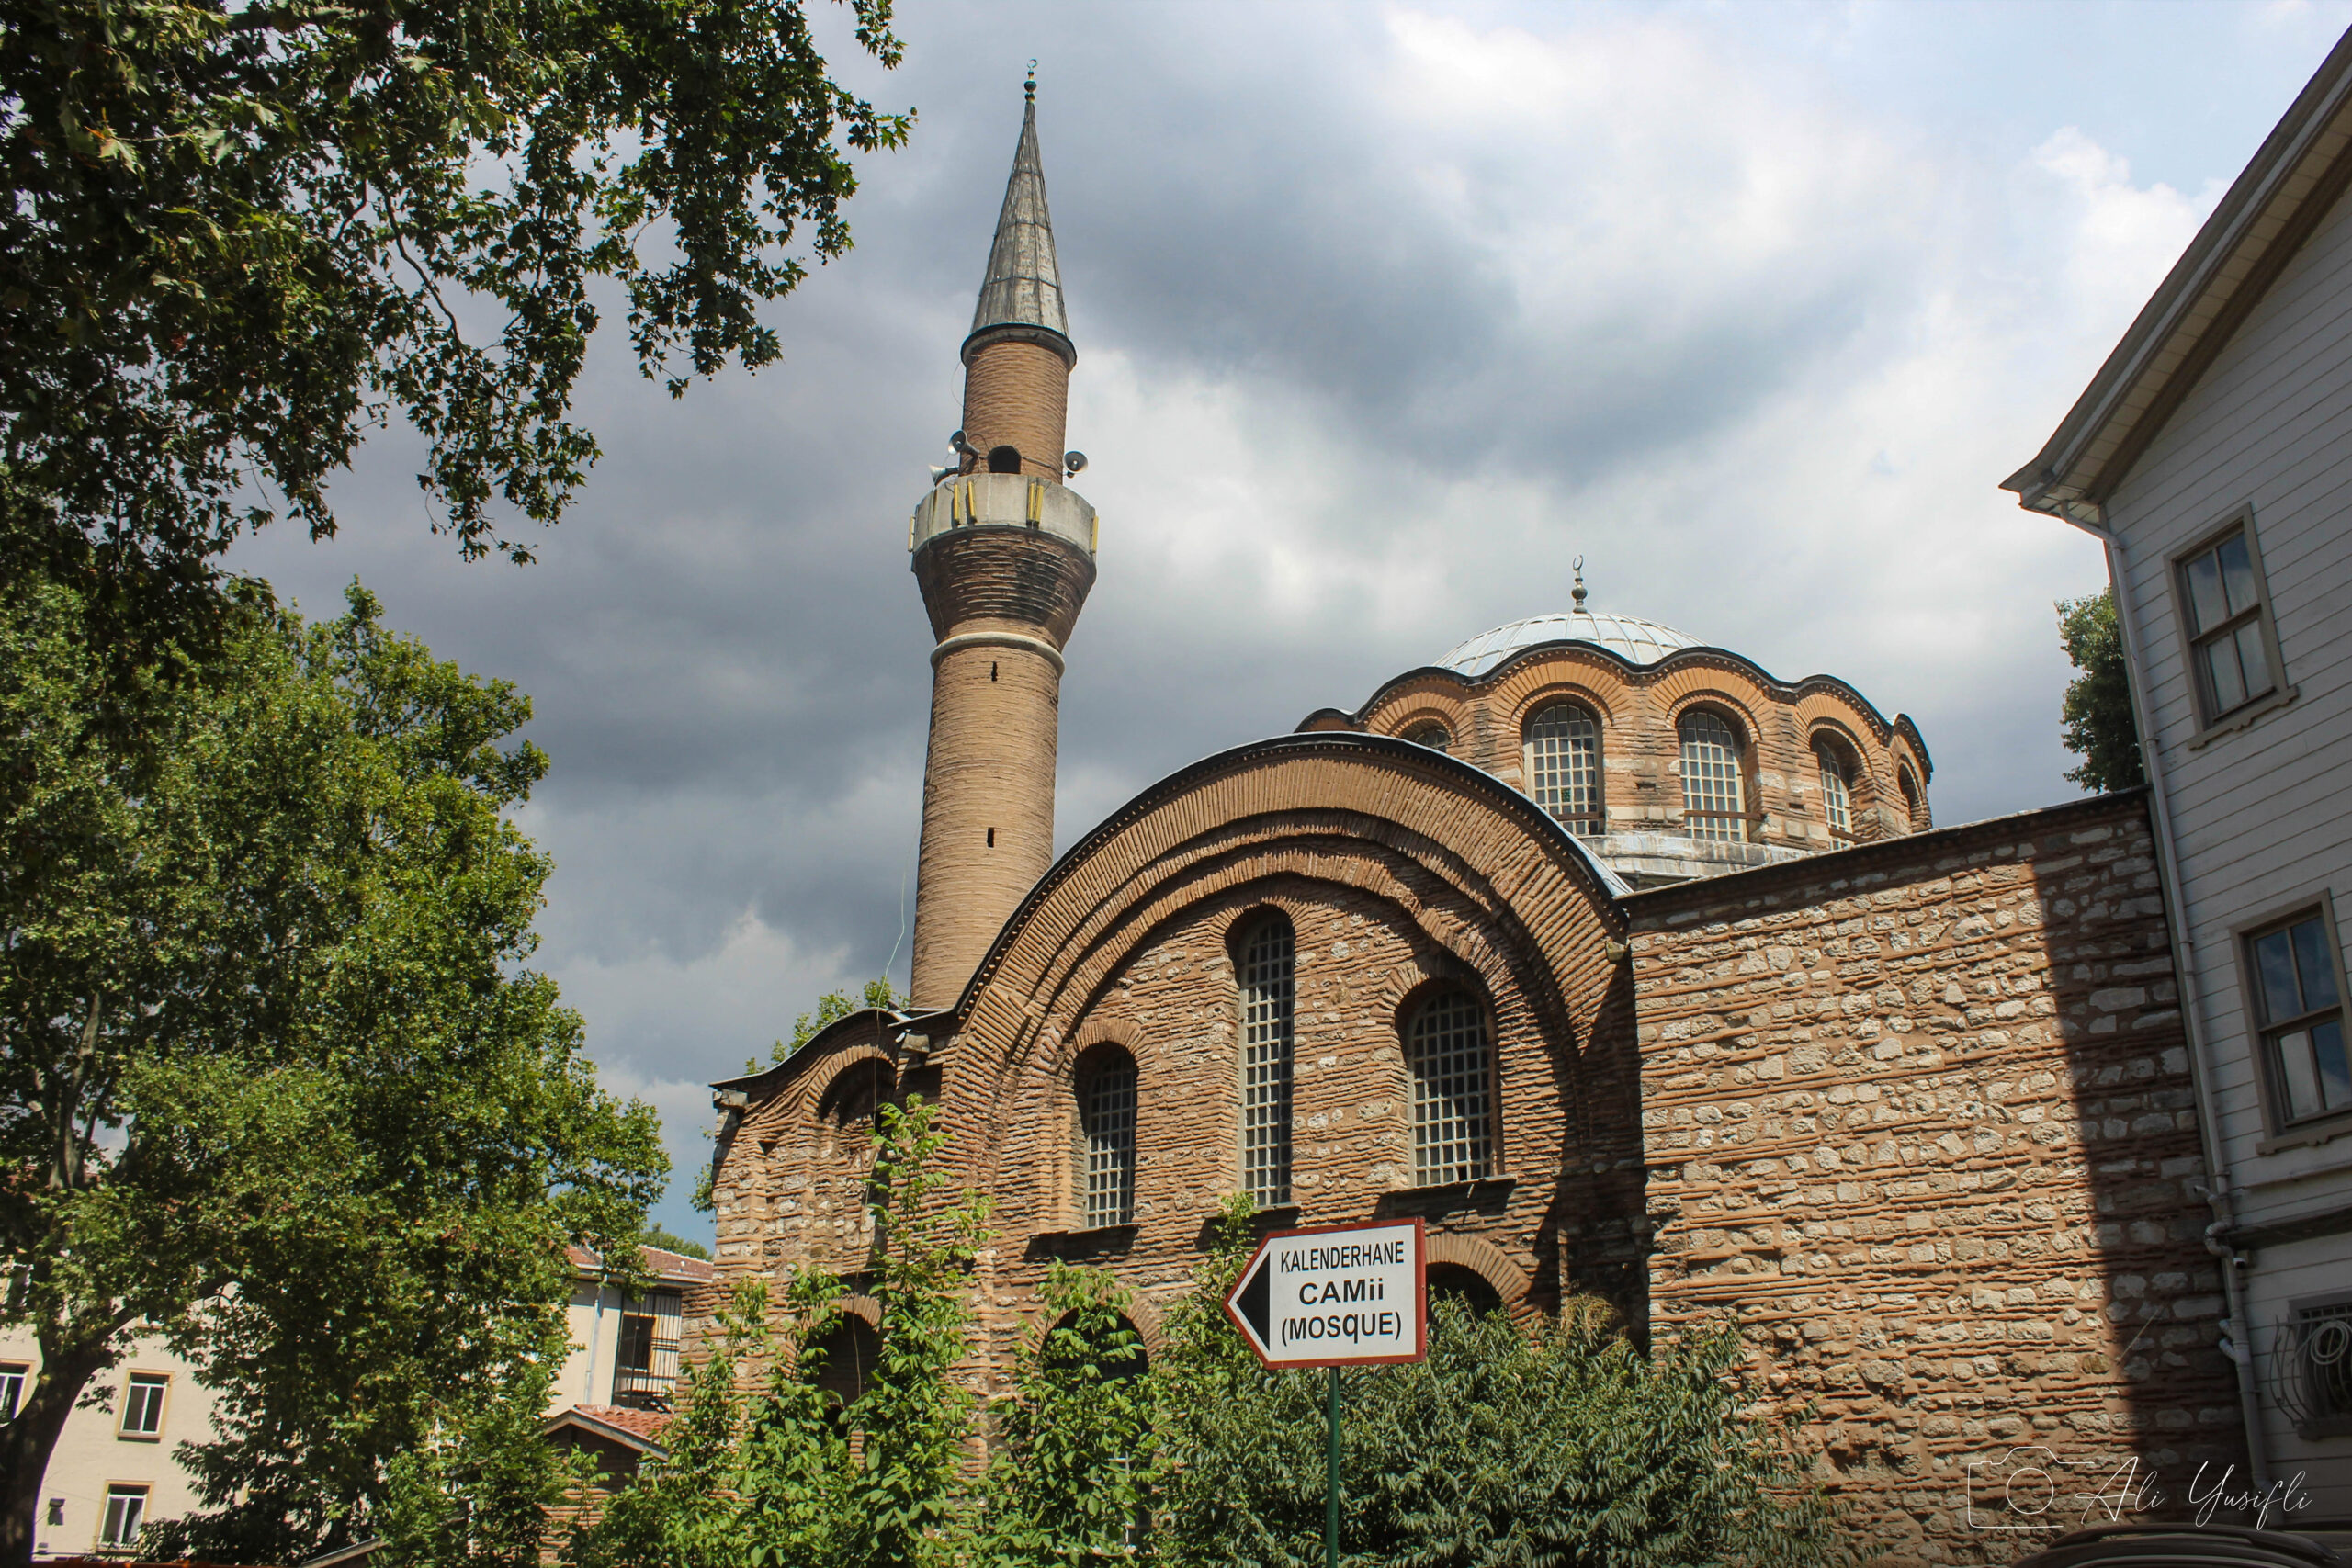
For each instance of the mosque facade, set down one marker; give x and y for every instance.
(1634, 970)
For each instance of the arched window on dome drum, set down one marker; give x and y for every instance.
(1715, 802)
(1433, 735)
(1915, 803)
(1836, 787)
(1563, 759)
(1268, 960)
(1453, 1072)
(1106, 1112)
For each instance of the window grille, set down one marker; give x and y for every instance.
(1564, 766)
(1837, 790)
(645, 1357)
(1267, 976)
(143, 1408)
(2224, 596)
(126, 1513)
(1109, 1119)
(2302, 1017)
(1446, 1050)
(1713, 801)
(1433, 735)
(2311, 1368)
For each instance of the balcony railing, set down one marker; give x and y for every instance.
(647, 1385)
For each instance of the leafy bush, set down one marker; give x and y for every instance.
(1551, 1442)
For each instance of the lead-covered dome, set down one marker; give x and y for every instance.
(1638, 641)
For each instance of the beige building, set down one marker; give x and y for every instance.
(624, 1345)
(113, 1470)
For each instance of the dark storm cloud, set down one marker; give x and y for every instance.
(1382, 316)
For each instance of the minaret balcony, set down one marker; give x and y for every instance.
(1004, 501)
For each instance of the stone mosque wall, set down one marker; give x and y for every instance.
(1918, 1116)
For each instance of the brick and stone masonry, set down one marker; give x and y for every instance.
(1914, 1115)
(1918, 1116)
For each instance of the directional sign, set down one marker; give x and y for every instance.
(1343, 1296)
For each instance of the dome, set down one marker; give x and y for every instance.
(1638, 641)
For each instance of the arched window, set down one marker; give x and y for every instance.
(1715, 802)
(1005, 459)
(1914, 802)
(840, 1361)
(1445, 1050)
(1106, 1113)
(1837, 785)
(845, 1116)
(1267, 960)
(1562, 754)
(1452, 1281)
(1433, 735)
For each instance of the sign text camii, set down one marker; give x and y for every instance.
(1342, 1296)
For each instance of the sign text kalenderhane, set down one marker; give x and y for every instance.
(1340, 1296)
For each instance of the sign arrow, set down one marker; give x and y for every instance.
(1347, 1295)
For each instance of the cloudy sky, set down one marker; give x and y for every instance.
(1385, 314)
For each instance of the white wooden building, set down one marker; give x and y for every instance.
(2212, 453)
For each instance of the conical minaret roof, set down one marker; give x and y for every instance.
(1023, 286)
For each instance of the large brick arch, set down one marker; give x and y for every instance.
(1487, 875)
(1448, 874)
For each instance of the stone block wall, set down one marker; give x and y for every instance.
(1919, 1117)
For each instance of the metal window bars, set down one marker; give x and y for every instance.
(1714, 801)
(1453, 1128)
(1837, 790)
(1267, 978)
(1564, 766)
(2310, 1369)
(1109, 1122)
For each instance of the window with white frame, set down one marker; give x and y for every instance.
(1714, 799)
(143, 1404)
(126, 1514)
(2299, 1009)
(1107, 1116)
(1453, 1071)
(1563, 760)
(1268, 964)
(12, 1387)
(1837, 786)
(2227, 623)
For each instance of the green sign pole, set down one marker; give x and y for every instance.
(1332, 1480)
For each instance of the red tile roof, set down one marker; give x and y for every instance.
(673, 1267)
(647, 1425)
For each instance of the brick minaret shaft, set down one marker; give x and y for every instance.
(1004, 554)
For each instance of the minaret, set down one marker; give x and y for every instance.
(1004, 554)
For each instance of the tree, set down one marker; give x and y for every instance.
(831, 1008)
(1064, 1487)
(788, 1479)
(2099, 725)
(274, 1080)
(243, 236)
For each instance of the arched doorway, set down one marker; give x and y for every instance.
(1464, 1285)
